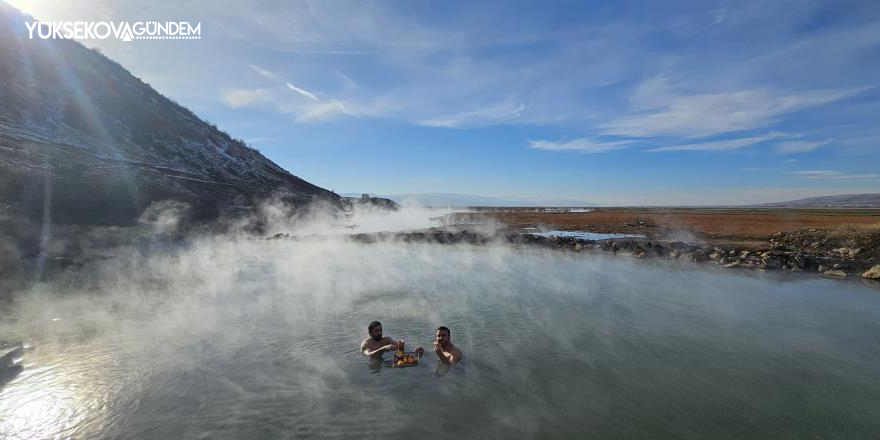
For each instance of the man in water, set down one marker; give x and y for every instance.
(376, 344)
(449, 354)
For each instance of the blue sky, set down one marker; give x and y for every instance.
(612, 102)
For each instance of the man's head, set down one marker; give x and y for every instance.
(443, 336)
(375, 329)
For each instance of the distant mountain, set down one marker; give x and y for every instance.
(83, 141)
(841, 201)
(451, 199)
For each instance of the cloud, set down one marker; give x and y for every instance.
(302, 92)
(494, 114)
(324, 110)
(792, 147)
(237, 98)
(722, 145)
(265, 73)
(713, 114)
(832, 175)
(583, 145)
(315, 109)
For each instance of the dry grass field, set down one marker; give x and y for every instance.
(723, 225)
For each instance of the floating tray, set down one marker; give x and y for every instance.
(405, 354)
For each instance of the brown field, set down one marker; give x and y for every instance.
(712, 225)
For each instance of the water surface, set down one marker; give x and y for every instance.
(252, 339)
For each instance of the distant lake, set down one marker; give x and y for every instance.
(258, 339)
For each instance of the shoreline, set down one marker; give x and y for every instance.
(843, 264)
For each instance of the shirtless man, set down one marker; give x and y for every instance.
(375, 345)
(449, 354)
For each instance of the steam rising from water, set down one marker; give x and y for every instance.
(234, 336)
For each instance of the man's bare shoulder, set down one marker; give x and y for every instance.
(457, 353)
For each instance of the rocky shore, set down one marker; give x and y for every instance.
(778, 255)
(809, 251)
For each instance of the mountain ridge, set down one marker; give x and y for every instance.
(865, 200)
(84, 141)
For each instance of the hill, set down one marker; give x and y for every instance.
(83, 141)
(840, 201)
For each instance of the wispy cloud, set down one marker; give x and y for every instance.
(302, 91)
(719, 113)
(237, 98)
(265, 73)
(324, 110)
(832, 175)
(721, 145)
(313, 110)
(494, 114)
(793, 147)
(582, 145)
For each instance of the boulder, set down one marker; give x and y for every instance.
(835, 273)
(872, 273)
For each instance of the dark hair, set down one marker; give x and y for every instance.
(373, 325)
(443, 327)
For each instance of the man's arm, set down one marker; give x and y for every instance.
(389, 346)
(450, 357)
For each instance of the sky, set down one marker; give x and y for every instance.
(618, 103)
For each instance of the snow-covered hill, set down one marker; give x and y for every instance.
(83, 140)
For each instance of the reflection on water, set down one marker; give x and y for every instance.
(585, 235)
(261, 343)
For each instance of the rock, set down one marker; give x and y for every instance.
(674, 254)
(734, 264)
(822, 268)
(771, 262)
(836, 273)
(700, 256)
(744, 254)
(872, 273)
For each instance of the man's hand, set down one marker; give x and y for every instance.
(389, 347)
(419, 350)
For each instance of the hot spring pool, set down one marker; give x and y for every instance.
(256, 339)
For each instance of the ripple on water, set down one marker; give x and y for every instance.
(555, 346)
